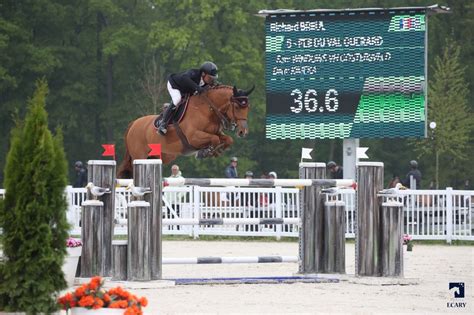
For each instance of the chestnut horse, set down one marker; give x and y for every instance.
(219, 108)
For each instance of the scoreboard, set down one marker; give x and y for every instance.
(346, 74)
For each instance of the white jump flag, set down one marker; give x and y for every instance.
(306, 154)
(360, 153)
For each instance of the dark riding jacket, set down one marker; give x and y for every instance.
(417, 177)
(230, 172)
(187, 81)
(81, 178)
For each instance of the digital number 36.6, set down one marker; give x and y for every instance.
(309, 101)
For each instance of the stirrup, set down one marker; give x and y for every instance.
(162, 130)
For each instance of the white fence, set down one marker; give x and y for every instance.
(429, 214)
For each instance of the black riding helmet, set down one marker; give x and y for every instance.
(209, 68)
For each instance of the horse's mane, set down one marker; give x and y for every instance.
(220, 86)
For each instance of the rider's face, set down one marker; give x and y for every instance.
(208, 79)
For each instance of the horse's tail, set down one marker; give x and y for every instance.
(125, 170)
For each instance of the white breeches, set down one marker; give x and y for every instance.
(175, 94)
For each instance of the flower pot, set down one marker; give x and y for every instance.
(409, 247)
(70, 264)
(105, 311)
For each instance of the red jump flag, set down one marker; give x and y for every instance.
(109, 150)
(155, 149)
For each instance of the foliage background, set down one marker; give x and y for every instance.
(106, 62)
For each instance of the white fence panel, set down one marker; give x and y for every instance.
(438, 214)
(245, 202)
(429, 214)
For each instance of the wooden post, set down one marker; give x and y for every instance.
(92, 258)
(334, 237)
(311, 232)
(102, 174)
(148, 173)
(392, 239)
(119, 260)
(368, 232)
(138, 249)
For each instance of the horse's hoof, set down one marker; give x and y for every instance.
(201, 154)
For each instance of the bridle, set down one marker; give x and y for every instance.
(226, 122)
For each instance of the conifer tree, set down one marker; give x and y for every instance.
(448, 107)
(33, 214)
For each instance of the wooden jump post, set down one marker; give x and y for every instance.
(311, 233)
(144, 238)
(98, 221)
(392, 239)
(368, 232)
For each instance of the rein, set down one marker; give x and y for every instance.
(226, 123)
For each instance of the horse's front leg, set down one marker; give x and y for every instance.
(225, 142)
(204, 141)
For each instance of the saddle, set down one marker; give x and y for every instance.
(178, 114)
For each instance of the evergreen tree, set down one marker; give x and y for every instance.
(448, 107)
(33, 214)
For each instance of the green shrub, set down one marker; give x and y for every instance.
(33, 214)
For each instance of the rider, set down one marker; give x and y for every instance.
(191, 81)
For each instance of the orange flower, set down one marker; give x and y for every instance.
(86, 301)
(68, 300)
(121, 292)
(81, 291)
(133, 310)
(143, 301)
(95, 283)
(106, 298)
(98, 303)
(114, 305)
(92, 295)
(119, 304)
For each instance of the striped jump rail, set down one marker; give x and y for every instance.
(231, 260)
(242, 182)
(223, 221)
(258, 182)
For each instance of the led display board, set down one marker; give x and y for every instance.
(346, 74)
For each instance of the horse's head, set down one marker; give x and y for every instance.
(231, 107)
(239, 109)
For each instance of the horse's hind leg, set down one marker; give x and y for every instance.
(126, 170)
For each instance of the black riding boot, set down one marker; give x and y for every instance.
(166, 118)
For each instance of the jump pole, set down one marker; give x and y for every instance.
(223, 221)
(262, 182)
